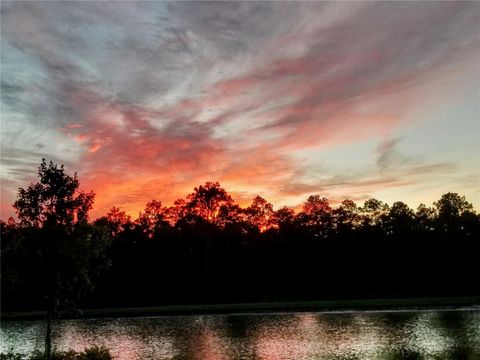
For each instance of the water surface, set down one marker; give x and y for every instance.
(444, 334)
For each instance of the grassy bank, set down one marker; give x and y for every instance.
(325, 305)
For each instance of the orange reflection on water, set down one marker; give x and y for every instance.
(123, 342)
(292, 336)
(123, 346)
(311, 335)
(210, 346)
(280, 340)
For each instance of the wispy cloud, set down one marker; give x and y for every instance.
(149, 99)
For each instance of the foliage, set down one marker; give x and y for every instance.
(207, 200)
(452, 205)
(259, 213)
(207, 248)
(93, 353)
(54, 200)
(54, 249)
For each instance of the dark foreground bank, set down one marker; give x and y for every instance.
(291, 306)
(93, 353)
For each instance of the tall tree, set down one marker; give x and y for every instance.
(152, 218)
(399, 220)
(70, 248)
(425, 218)
(283, 218)
(452, 205)
(346, 216)
(207, 200)
(259, 213)
(317, 216)
(373, 210)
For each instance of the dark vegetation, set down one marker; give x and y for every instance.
(93, 353)
(207, 249)
(103, 354)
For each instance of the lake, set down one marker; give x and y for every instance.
(366, 335)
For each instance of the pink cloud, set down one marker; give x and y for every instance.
(305, 88)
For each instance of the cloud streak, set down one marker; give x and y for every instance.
(147, 100)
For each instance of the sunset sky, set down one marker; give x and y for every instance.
(146, 100)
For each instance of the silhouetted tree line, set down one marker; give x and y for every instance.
(207, 248)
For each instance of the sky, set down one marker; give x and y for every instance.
(146, 100)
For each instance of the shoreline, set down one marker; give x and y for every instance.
(405, 304)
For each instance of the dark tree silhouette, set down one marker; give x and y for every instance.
(55, 214)
(317, 216)
(207, 200)
(153, 218)
(207, 248)
(259, 213)
(116, 221)
(424, 218)
(346, 217)
(399, 220)
(451, 208)
(283, 219)
(372, 211)
(452, 205)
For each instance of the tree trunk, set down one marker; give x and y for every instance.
(51, 286)
(48, 336)
(50, 314)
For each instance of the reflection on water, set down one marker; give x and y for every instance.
(281, 336)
